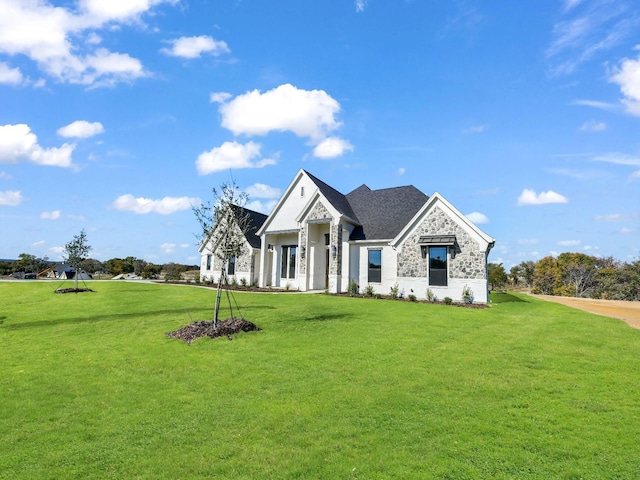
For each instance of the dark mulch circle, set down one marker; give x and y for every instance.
(73, 290)
(205, 328)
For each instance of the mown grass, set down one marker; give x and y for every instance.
(332, 387)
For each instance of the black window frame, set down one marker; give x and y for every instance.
(231, 265)
(374, 270)
(438, 276)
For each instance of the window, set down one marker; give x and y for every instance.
(208, 262)
(375, 266)
(288, 267)
(302, 192)
(438, 266)
(231, 266)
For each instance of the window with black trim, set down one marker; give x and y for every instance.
(375, 266)
(288, 266)
(438, 266)
(208, 262)
(231, 266)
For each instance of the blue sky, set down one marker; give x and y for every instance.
(116, 117)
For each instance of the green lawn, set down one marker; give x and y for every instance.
(333, 387)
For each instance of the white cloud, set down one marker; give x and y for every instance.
(260, 190)
(18, 142)
(10, 76)
(81, 129)
(231, 155)
(360, 5)
(613, 217)
(477, 217)
(62, 41)
(53, 215)
(635, 174)
(39, 243)
(474, 129)
(528, 241)
(627, 76)
(5, 176)
(609, 107)
(260, 206)
(627, 231)
(401, 171)
(219, 97)
(529, 197)
(618, 159)
(569, 243)
(164, 206)
(583, 33)
(168, 247)
(593, 126)
(306, 113)
(332, 147)
(194, 47)
(11, 198)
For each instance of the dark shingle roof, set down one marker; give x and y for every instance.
(384, 213)
(337, 199)
(256, 219)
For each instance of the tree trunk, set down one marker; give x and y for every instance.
(218, 296)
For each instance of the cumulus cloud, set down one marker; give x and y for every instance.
(194, 47)
(260, 190)
(164, 206)
(477, 217)
(10, 76)
(53, 215)
(360, 5)
(529, 197)
(11, 198)
(81, 129)
(63, 43)
(231, 155)
(261, 206)
(306, 113)
(627, 76)
(18, 142)
(332, 147)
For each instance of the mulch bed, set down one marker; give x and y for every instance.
(203, 328)
(73, 290)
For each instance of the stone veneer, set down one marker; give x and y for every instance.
(468, 264)
(317, 213)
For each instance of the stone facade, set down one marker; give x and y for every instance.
(469, 261)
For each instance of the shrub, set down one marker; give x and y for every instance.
(430, 295)
(447, 300)
(412, 297)
(353, 288)
(467, 295)
(394, 291)
(243, 282)
(368, 291)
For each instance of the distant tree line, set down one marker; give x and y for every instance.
(572, 275)
(115, 266)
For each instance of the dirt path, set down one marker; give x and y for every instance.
(627, 311)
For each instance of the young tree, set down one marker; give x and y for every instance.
(75, 252)
(224, 226)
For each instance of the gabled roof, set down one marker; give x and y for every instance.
(384, 213)
(337, 199)
(256, 219)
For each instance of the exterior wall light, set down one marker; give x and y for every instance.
(334, 251)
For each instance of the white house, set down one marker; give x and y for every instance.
(316, 238)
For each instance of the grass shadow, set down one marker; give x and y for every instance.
(100, 318)
(504, 297)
